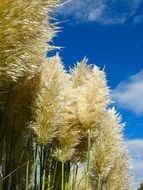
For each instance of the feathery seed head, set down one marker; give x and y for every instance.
(93, 98)
(119, 177)
(48, 103)
(107, 147)
(24, 32)
(80, 73)
(69, 126)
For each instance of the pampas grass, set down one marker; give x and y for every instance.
(119, 177)
(52, 120)
(48, 102)
(25, 30)
(92, 99)
(107, 149)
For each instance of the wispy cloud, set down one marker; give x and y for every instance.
(129, 94)
(135, 147)
(101, 11)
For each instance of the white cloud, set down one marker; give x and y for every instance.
(135, 147)
(101, 11)
(129, 94)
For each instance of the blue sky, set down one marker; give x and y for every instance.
(110, 35)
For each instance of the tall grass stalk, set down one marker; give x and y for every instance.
(34, 178)
(55, 171)
(49, 181)
(27, 175)
(88, 161)
(25, 146)
(14, 171)
(63, 176)
(99, 182)
(43, 180)
(75, 177)
(66, 185)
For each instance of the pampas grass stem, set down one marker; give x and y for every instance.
(35, 165)
(88, 161)
(13, 172)
(99, 182)
(75, 177)
(55, 171)
(43, 180)
(27, 175)
(63, 176)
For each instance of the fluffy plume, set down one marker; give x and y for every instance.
(69, 126)
(106, 150)
(64, 121)
(80, 73)
(119, 177)
(24, 33)
(92, 93)
(92, 99)
(48, 103)
(56, 110)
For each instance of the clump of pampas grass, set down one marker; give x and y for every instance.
(62, 116)
(25, 33)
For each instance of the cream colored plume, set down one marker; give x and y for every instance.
(24, 32)
(108, 146)
(92, 93)
(48, 102)
(69, 126)
(80, 73)
(119, 177)
(56, 110)
(93, 98)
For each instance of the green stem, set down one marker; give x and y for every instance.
(99, 183)
(75, 177)
(35, 164)
(55, 171)
(88, 161)
(43, 180)
(63, 175)
(49, 176)
(49, 181)
(27, 175)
